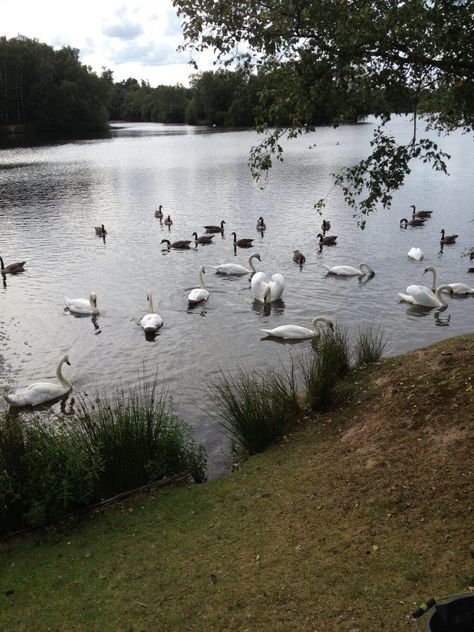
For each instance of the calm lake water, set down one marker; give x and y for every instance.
(52, 196)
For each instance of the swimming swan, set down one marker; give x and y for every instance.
(151, 321)
(41, 392)
(416, 253)
(82, 305)
(237, 269)
(420, 295)
(267, 291)
(200, 293)
(350, 270)
(457, 288)
(295, 332)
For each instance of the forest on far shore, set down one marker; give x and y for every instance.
(48, 90)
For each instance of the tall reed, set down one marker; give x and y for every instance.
(370, 344)
(323, 366)
(255, 408)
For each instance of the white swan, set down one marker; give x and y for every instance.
(457, 288)
(267, 291)
(82, 305)
(151, 321)
(416, 253)
(200, 293)
(295, 332)
(236, 268)
(349, 270)
(41, 392)
(421, 295)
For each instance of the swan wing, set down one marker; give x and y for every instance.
(151, 322)
(407, 298)
(459, 288)
(416, 253)
(78, 305)
(258, 286)
(422, 295)
(290, 332)
(197, 295)
(231, 268)
(37, 393)
(345, 271)
(277, 285)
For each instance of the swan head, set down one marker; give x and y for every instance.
(429, 269)
(322, 319)
(65, 360)
(256, 256)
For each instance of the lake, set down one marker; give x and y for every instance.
(52, 196)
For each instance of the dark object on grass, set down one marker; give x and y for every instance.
(451, 614)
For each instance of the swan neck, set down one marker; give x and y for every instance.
(251, 266)
(150, 304)
(433, 282)
(60, 376)
(201, 278)
(440, 297)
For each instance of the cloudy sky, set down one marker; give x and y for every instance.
(137, 38)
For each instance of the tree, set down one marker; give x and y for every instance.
(384, 55)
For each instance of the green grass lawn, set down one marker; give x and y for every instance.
(344, 526)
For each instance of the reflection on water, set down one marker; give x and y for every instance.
(53, 196)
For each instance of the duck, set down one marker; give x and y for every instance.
(215, 229)
(261, 224)
(422, 214)
(168, 221)
(423, 296)
(159, 212)
(235, 269)
(416, 253)
(298, 257)
(296, 332)
(12, 268)
(459, 289)
(447, 239)
(151, 321)
(41, 392)
(363, 268)
(82, 306)
(181, 244)
(242, 243)
(100, 230)
(204, 239)
(414, 221)
(200, 293)
(267, 291)
(325, 226)
(330, 240)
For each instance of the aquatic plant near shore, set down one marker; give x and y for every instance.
(369, 345)
(255, 408)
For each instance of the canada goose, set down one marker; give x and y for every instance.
(416, 221)
(215, 229)
(168, 221)
(204, 239)
(447, 239)
(12, 268)
(179, 245)
(298, 257)
(422, 214)
(100, 230)
(159, 212)
(261, 224)
(41, 392)
(242, 243)
(325, 225)
(330, 240)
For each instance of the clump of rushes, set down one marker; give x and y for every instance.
(110, 445)
(255, 408)
(323, 366)
(138, 438)
(369, 345)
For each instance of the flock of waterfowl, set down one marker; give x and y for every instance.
(263, 290)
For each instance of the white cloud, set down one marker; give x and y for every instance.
(125, 30)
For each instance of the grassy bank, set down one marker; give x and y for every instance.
(361, 512)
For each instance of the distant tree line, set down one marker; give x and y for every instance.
(51, 90)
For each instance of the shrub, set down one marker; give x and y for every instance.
(323, 366)
(255, 408)
(369, 345)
